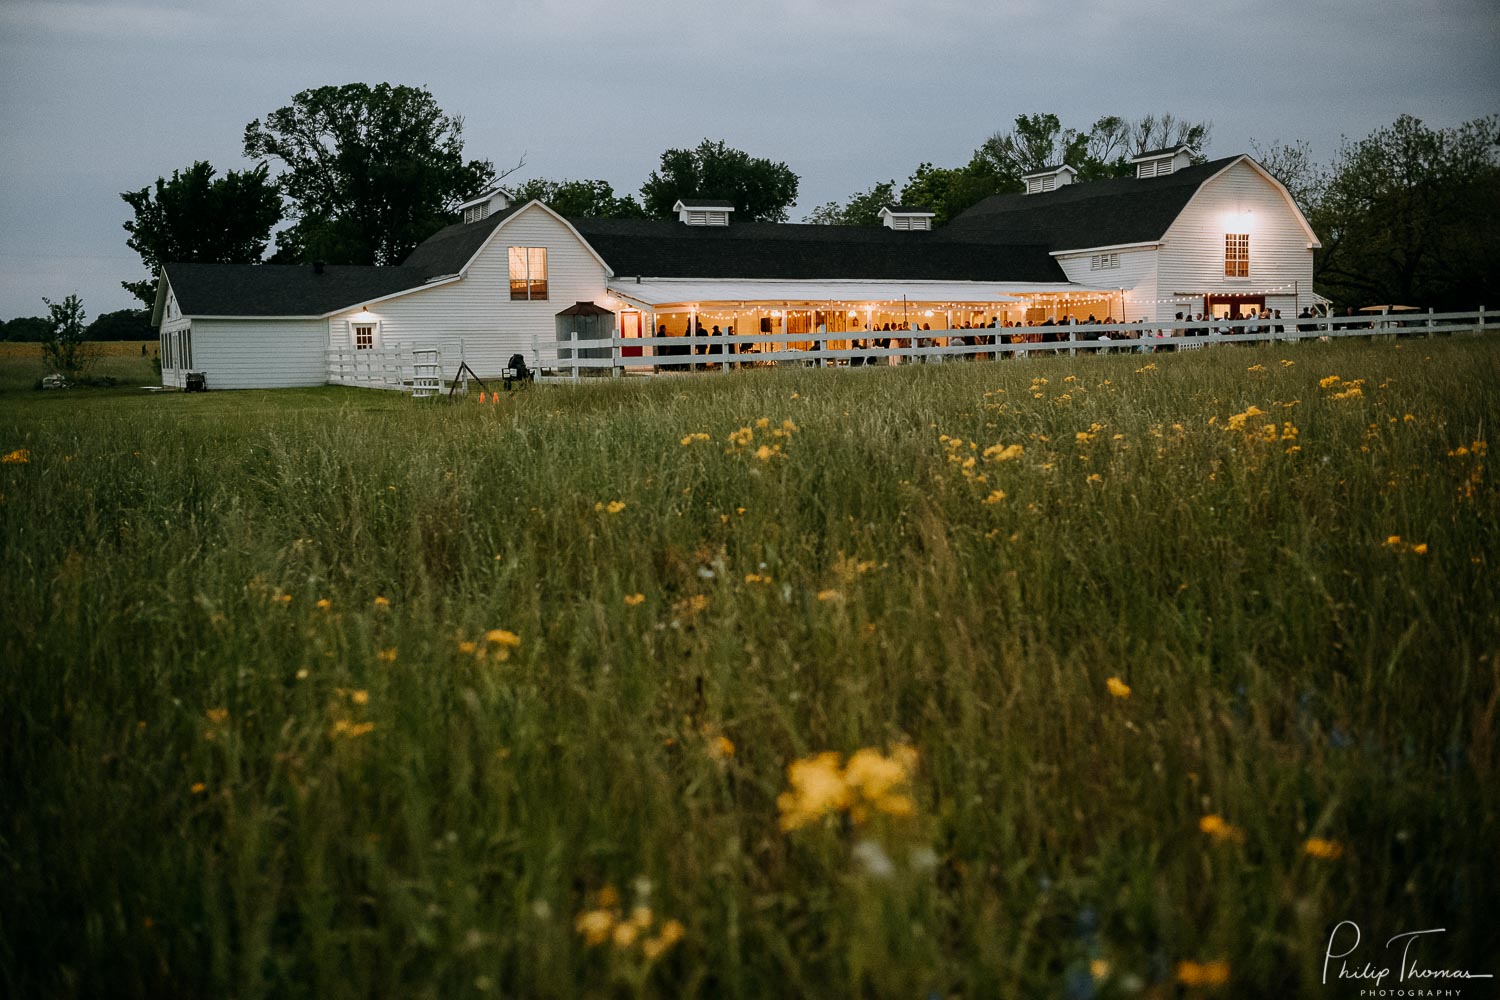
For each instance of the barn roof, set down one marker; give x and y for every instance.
(795, 251)
(1078, 216)
(282, 289)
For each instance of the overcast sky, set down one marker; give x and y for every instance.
(99, 97)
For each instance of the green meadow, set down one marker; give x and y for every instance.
(1164, 665)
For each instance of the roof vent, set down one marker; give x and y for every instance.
(1049, 178)
(1161, 162)
(478, 209)
(906, 218)
(703, 211)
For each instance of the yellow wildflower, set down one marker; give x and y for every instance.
(324, 603)
(1117, 687)
(764, 452)
(1099, 968)
(817, 789)
(1420, 549)
(615, 506)
(381, 602)
(695, 436)
(999, 453)
(387, 655)
(595, 926)
(1215, 826)
(1256, 368)
(218, 716)
(671, 932)
(632, 600)
(198, 788)
(1328, 850)
(503, 638)
(995, 496)
(1207, 974)
(21, 456)
(1094, 477)
(1287, 364)
(468, 646)
(1331, 380)
(359, 697)
(721, 747)
(830, 595)
(343, 727)
(1393, 540)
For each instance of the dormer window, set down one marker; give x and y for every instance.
(703, 211)
(906, 218)
(1049, 178)
(487, 204)
(1161, 162)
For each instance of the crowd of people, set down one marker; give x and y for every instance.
(1090, 331)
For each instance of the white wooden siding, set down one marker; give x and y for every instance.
(478, 309)
(260, 353)
(1136, 274)
(1192, 255)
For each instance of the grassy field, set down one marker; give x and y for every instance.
(1164, 666)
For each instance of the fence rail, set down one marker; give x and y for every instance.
(863, 347)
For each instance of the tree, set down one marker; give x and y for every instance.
(762, 191)
(26, 329)
(199, 218)
(1039, 140)
(1411, 216)
(123, 324)
(581, 199)
(862, 209)
(1292, 164)
(64, 350)
(370, 171)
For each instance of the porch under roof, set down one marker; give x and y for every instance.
(653, 293)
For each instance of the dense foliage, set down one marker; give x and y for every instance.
(195, 217)
(761, 189)
(370, 171)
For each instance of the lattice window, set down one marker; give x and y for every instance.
(1236, 255)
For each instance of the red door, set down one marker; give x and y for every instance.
(630, 326)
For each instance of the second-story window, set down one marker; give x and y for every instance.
(528, 273)
(1236, 255)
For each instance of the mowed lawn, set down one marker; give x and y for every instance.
(1164, 665)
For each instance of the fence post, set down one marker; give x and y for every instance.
(573, 352)
(1481, 319)
(1429, 322)
(1072, 339)
(536, 354)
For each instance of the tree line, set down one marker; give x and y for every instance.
(363, 174)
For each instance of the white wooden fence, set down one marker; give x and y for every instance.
(908, 346)
(414, 368)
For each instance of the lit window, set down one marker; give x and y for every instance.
(528, 273)
(1236, 255)
(364, 336)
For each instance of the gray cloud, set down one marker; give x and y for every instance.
(101, 97)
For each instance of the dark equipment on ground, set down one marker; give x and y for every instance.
(515, 371)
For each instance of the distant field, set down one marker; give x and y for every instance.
(1168, 664)
(21, 364)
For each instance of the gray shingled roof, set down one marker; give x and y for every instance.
(792, 251)
(450, 248)
(706, 203)
(1082, 215)
(282, 289)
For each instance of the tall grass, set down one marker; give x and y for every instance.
(217, 785)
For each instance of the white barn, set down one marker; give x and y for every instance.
(1215, 238)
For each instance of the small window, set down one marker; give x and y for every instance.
(528, 274)
(1236, 255)
(476, 213)
(1104, 261)
(364, 336)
